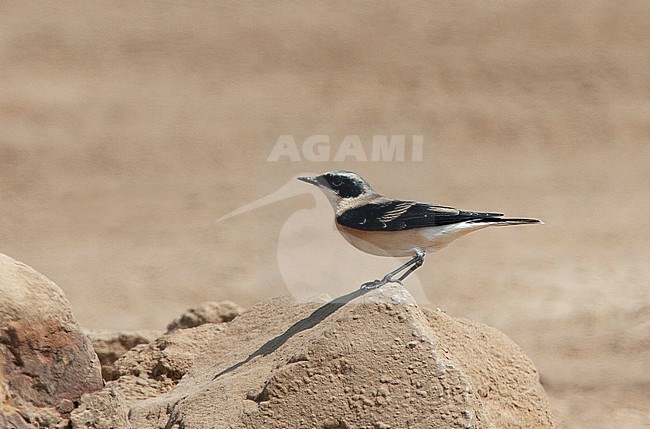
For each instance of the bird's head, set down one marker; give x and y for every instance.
(340, 186)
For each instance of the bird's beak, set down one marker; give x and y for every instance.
(311, 180)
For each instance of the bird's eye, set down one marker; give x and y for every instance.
(336, 182)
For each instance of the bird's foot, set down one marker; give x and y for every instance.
(379, 283)
(371, 285)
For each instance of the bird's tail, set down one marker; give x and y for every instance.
(506, 221)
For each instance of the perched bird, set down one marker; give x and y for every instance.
(302, 235)
(384, 226)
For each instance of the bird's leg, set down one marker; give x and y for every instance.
(418, 263)
(414, 264)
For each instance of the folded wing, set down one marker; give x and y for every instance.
(396, 215)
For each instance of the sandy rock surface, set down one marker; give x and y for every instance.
(208, 312)
(364, 360)
(46, 362)
(109, 346)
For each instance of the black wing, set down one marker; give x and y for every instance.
(395, 215)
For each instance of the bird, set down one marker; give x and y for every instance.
(303, 234)
(384, 226)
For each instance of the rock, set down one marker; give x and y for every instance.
(46, 362)
(103, 410)
(109, 346)
(209, 312)
(371, 360)
(501, 374)
(150, 370)
(11, 418)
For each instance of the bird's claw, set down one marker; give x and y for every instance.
(379, 283)
(372, 285)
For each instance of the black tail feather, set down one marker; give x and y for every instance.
(505, 221)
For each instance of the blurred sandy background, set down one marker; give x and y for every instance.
(127, 128)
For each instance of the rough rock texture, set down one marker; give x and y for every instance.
(103, 410)
(109, 346)
(503, 377)
(149, 370)
(208, 312)
(364, 360)
(46, 362)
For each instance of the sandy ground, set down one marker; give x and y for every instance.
(126, 130)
